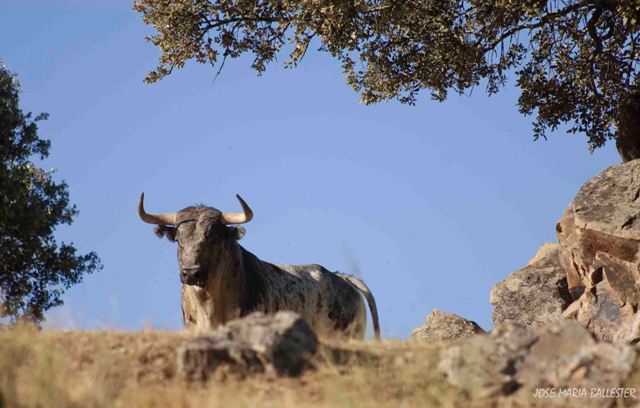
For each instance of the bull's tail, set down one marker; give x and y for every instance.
(364, 289)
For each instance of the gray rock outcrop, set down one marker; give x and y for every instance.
(599, 235)
(512, 365)
(440, 326)
(534, 295)
(280, 344)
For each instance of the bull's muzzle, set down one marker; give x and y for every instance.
(193, 276)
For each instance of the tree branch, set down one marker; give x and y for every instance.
(542, 22)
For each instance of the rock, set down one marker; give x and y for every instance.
(599, 235)
(280, 344)
(512, 363)
(544, 251)
(534, 295)
(441, 326)
(566, 357)
(605, 316)
(482, 366)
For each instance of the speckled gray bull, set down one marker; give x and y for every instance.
(222, 281)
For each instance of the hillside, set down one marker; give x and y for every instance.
(125, 369)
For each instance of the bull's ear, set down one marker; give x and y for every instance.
(166, 231)
(233, 233)
(239, 233)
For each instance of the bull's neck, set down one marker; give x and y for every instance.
(234, 289)
(223, 293)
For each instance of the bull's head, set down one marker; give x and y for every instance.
(203, 235)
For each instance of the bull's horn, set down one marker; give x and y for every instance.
(238, 218)
(162, 219)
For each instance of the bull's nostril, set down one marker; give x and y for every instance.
(190, 271)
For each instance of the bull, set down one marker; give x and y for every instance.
(222, 281)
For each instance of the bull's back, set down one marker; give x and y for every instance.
(324, 299)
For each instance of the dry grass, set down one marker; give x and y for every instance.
(118, 369)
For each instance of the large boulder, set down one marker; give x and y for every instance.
(599, 235)
(482, 366)
(280, 344)
(559, 364)
(567, 359)
(440, 326)
(534, 295)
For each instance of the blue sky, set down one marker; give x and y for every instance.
(431, 205)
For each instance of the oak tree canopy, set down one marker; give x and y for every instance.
(574, 61)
